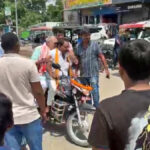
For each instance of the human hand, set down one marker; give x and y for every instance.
(76, 62)
(44, 60)
(43, 114)
(48, 59)
(74, 75)
(107, 74)
(73, 57)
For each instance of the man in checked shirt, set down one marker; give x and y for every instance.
(89, 53)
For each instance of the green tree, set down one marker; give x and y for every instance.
(35, 5)
(55, 13)
(31, 11)
(30, 18)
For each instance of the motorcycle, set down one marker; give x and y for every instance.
(70, 106)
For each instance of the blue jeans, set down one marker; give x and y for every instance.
(115, 56)
(31, 131)
(94, 82)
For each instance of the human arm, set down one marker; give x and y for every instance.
(50, 70)
(77, 65)
(102, 57)
(36, 54)
(39, 96)
(72, 55)
(37, 90)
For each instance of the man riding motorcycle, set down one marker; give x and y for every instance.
(66, 96)
(59, 55)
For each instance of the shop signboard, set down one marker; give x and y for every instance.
(125, 1)
(7, 11)
(77, 4)
(128, 7)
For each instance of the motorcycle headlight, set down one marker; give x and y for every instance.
(74, 91)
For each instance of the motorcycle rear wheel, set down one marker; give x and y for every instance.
(79, 134)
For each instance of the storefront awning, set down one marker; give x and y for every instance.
(131, 26)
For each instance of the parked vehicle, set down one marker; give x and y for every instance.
(132, 31)
(70, 106)
(145, 32)
(139, 30)
(98, 32)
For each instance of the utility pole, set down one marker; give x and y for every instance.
(16, 17)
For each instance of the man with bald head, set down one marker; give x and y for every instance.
(50, 44)
(39, 55)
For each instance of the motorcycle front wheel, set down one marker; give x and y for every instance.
(77, 133)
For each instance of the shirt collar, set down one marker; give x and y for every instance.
(81, 44)
(11, 55)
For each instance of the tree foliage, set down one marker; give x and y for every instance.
(55, 13)
(31, 11)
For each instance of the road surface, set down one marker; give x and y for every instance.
(108, 88)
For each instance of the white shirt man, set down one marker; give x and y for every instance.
(63, 61)
(58, 55)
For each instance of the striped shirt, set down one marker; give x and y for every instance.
(89, 59)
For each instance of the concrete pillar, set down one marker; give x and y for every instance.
(95, 20)
(101, 19)
(119, 19)
(80, 17)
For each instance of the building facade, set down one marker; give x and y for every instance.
(106, 11)
(129, 11)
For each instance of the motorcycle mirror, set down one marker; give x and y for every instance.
(56, 66)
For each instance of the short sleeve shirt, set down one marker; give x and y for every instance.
(120, 122)
(15, 77)
(89, 59)
(36, 54)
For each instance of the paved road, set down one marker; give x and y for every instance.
(108, 88)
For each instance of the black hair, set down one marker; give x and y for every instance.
(134, 57)
(6, 115)
(9, 41)
(57, 30)
(61, 41)
(85, 31)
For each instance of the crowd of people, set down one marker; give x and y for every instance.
(118, 122)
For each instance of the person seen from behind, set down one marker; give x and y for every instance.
(122, 122)
(20, 82)
(6, 119)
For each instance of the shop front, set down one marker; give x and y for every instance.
(109, 11)
(130, 11)
(92, 11)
